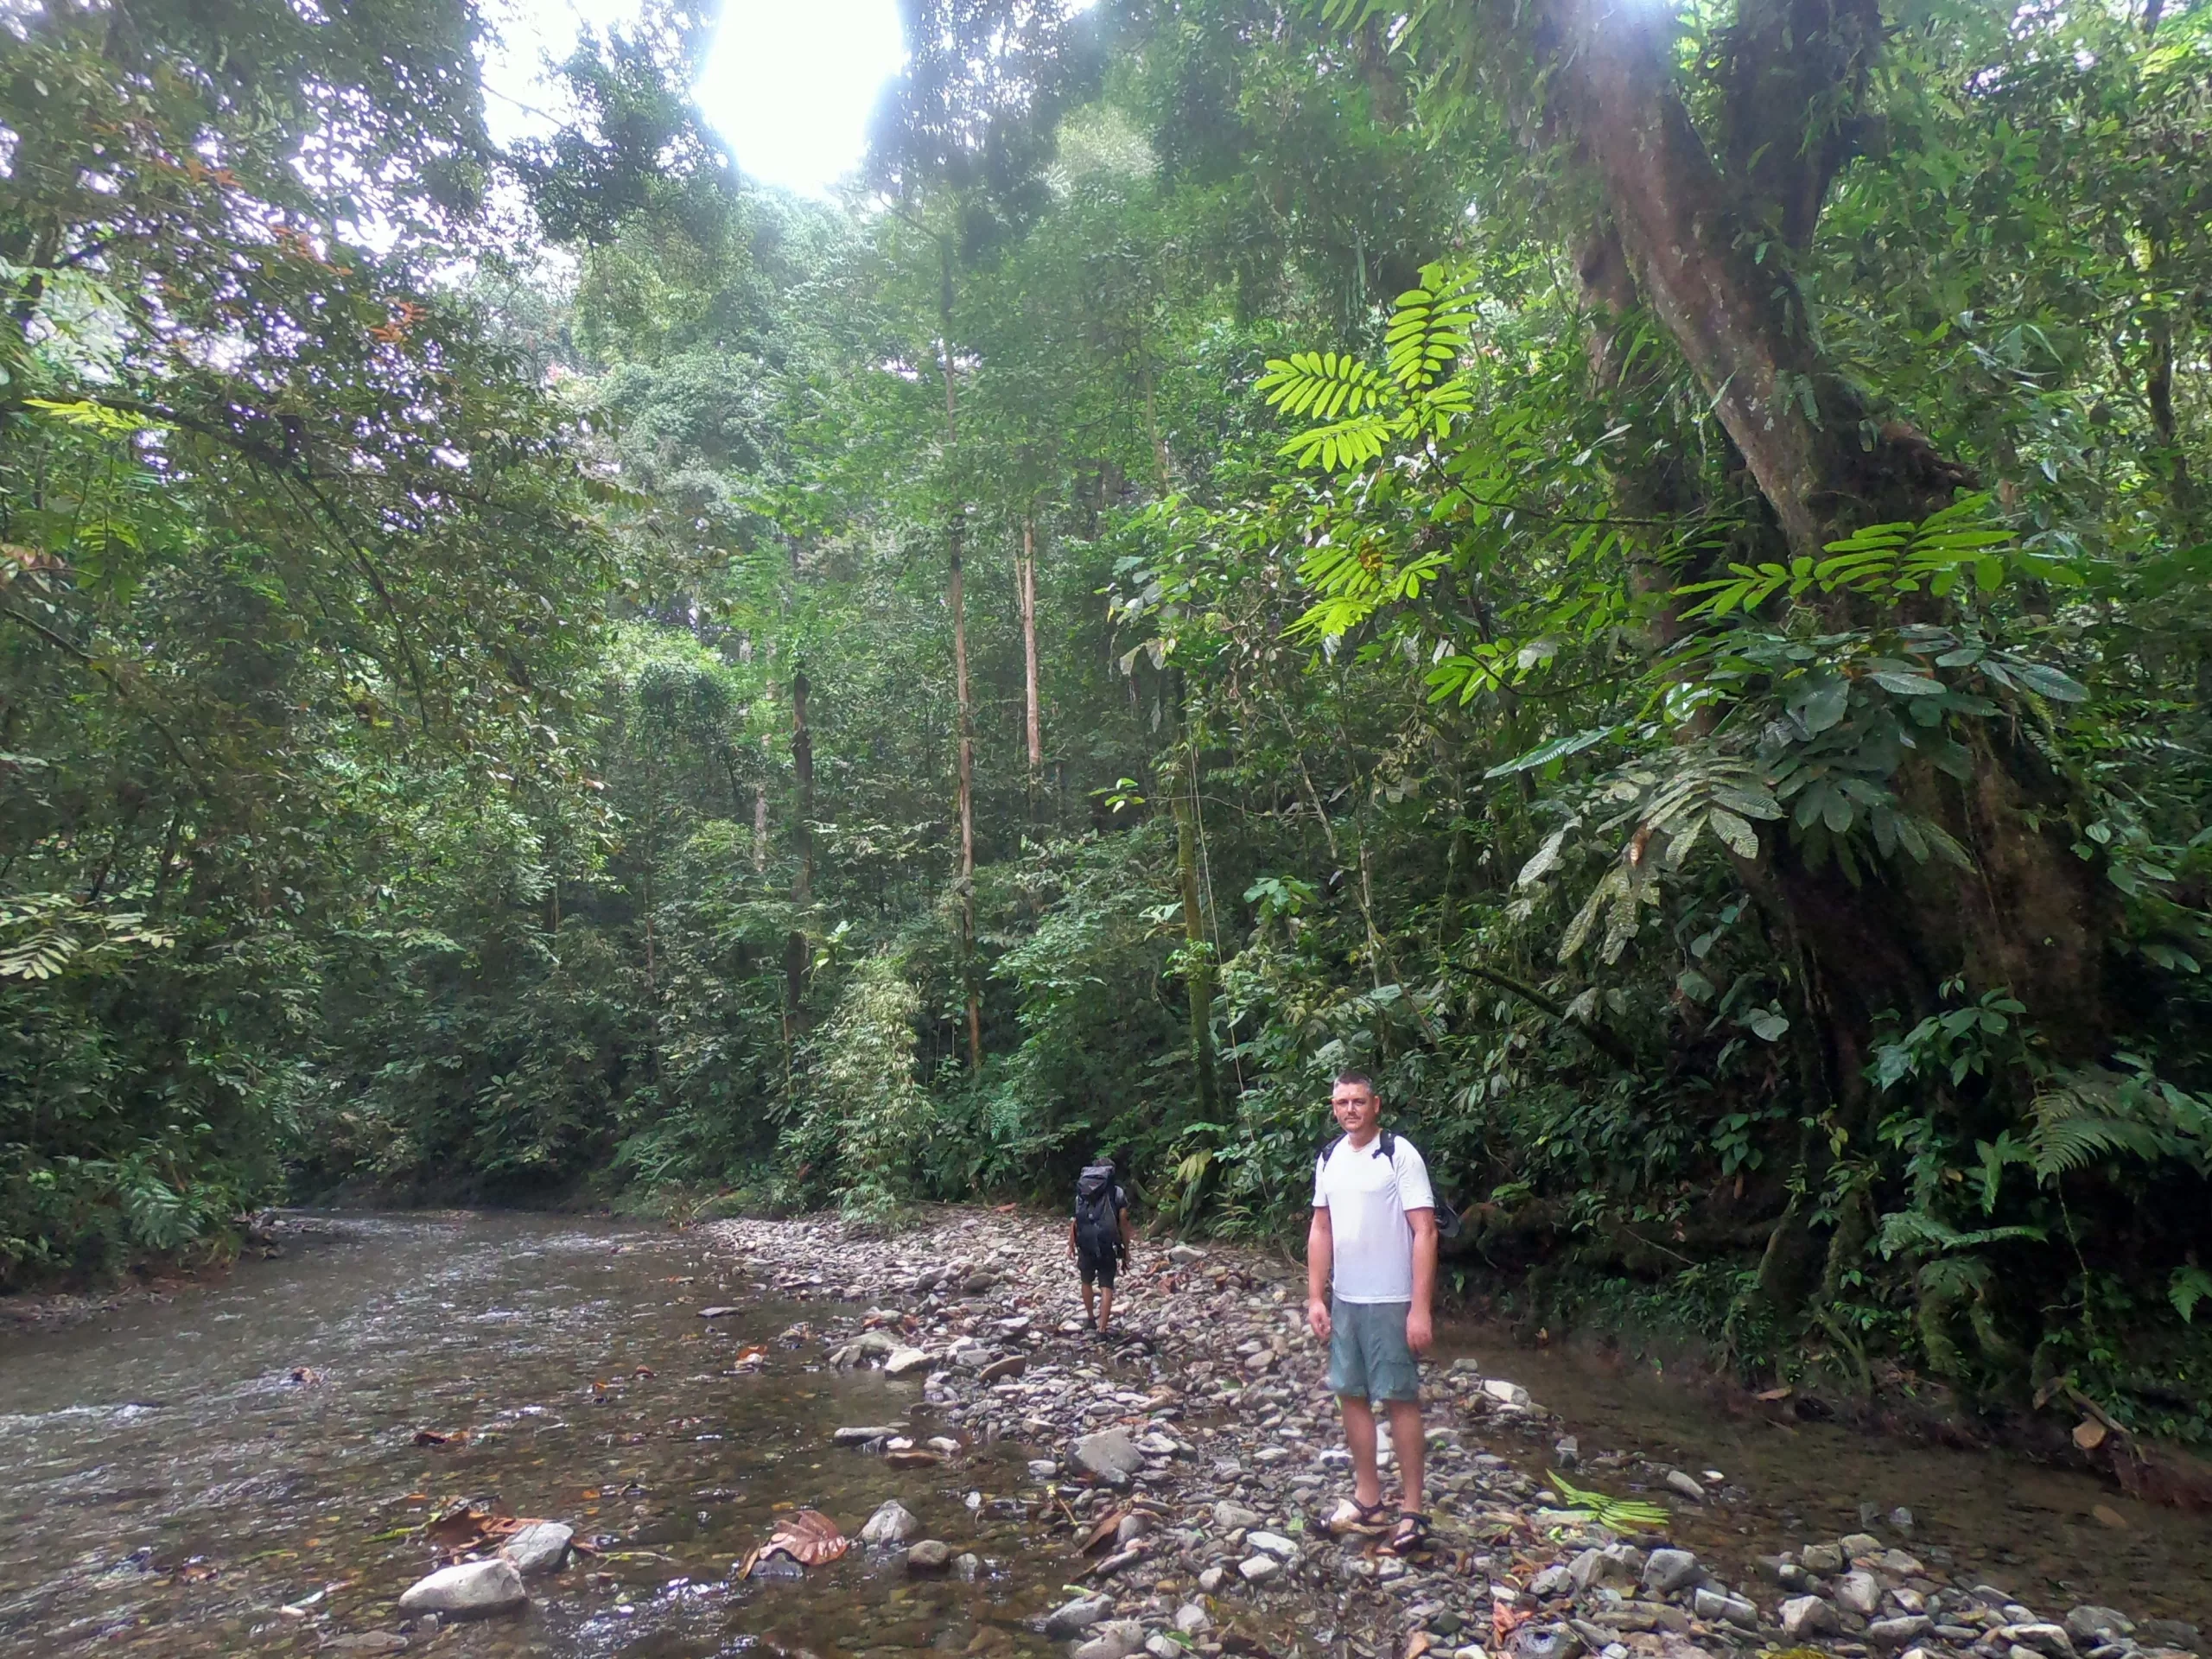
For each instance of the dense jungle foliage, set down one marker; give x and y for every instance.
(1641, 574)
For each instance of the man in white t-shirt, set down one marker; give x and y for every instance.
(1370, 1283)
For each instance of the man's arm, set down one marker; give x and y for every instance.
(1070, 1235)
(1129, 1236)
(1320, 1257)
(1421, 1329)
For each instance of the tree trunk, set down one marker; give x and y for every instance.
(797, 953)
(1709, 255)
(1026, 596)
(956, 536)
(1198, 976)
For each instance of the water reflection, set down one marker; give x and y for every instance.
(236, 1470)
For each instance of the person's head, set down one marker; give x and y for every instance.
(1352, 1099)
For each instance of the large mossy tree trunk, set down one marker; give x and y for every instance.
(1704, 242)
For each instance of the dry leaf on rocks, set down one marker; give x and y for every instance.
(807, 1536)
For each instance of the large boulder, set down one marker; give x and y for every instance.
(472, 1590)
(892, 1523)
(1669, 1570)
(1111, 1455)
(1808, 1616)
(1072, 1619)
(541, 1547)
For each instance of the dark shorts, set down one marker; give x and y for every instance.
(1095, 1269)
(1369, 1358)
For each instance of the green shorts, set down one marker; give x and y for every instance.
(1367, 1356)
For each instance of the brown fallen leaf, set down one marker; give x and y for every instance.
(1770, 1395)
(912, 1458)
(1504, 1620)
(1103, 1534)
(807, 1536)
(441, 1437)
(303, 1376)
(1418, 1643)
(2089, 1433)
(2108, 1515)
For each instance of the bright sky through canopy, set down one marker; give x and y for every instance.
(790, 84)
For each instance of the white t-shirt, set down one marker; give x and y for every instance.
(1367, 1196)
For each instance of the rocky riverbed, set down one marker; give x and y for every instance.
(1182, 1468)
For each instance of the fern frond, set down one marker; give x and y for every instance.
(1352, 442)
(1429, 330)
(1320, 384)
(2069, 1134)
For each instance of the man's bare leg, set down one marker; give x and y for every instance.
(1105, 1307)
(1406, 1440)
(1090, 1302)
(1359, 1439)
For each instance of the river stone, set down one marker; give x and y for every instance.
(2097, 1624)
(859, 1436)
(1897, 1632)
(1272, 1543)
(1669, 1570)
(1111, 1455)
(1685, 1485)
(1115, 1639)
(1191, 1618)
(892, 1523)
(1615, 1564)
(716, 1312)
(900, 1360)
(1861, 1592)
(1071, 1618)
(928, 1556)
(2037, 1637)
(1000, 1371)
(472, 1590)
(1258, 1569)
(1804, 1616)
(1554, 1580)
(1859, 1546)
(1183, 1255)
(1552, 1642)
(1505, 1393)
(366, 1641)
(1718, 1604)
(1235, 1517)
(1160, 1645)
(1821, 1558)
(541, 1547)
(1210, 1580)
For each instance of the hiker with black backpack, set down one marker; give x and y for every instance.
(1098, 1238)
(1370, 1284)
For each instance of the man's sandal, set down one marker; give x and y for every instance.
(1409, 1536)
(1353, 1519)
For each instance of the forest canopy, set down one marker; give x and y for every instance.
(1640, 573)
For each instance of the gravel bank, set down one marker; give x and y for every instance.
(1196, 1452)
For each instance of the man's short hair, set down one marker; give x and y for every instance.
(1358, 1077)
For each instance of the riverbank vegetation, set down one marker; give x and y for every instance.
(1641, 576)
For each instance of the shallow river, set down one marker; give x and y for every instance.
(2053, 1537)
(166, 1487)
(234, 1470)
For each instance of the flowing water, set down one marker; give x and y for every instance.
(168, 1487)
(234, 1470)
(2054, 1537)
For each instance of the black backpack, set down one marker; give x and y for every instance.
(1097, 1220)
(1447, 1217)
